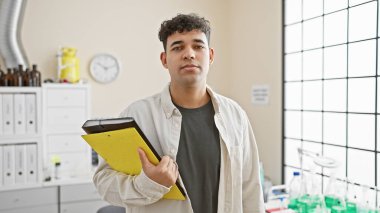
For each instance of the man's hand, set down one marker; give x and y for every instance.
(165, 173)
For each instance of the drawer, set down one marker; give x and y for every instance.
(37, 209)
(66, 143)
(78, 192)
(68, 119)
(28, 198)
(66, 97)
(73, 164)
(81, 207)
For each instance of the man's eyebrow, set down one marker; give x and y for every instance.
(181, 42)
(199, 41)
(176, 42)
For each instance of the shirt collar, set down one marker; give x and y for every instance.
(169, 108)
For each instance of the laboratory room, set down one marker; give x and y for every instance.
(202, 106)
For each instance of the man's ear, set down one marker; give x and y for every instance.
(211, 55)
(163, 59)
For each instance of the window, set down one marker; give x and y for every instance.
(331, 89)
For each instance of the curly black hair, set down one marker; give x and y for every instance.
(183, 23)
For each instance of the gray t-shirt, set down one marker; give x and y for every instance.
(198, 157)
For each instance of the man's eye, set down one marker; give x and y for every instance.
(176, 48)
(199, 47)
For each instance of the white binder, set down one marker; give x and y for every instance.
(1, 118)
(31, 163)
(31, 115)
(8, 117)
(9, 165)
(1, 166)
(20, 164)
(19, 112)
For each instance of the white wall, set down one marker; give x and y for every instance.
(127, 29)
(246, 36)
(256, 59)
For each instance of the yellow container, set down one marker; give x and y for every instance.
(69, 67)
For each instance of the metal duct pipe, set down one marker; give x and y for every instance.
(11, 49)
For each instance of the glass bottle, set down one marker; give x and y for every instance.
(1, 77)
(8, 78)
(20, 68)
(36, 76)
(17, 77)
(27, 78)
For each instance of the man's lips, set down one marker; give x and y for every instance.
(189, 66)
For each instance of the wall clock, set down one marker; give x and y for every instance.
(104, 68)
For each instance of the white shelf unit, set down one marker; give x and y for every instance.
(20, 138)
(61, 109)
(65, 108)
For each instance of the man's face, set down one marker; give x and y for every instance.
(188, 58)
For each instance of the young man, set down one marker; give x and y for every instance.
(206, 140)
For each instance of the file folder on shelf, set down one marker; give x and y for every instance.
(19, 112)
(1, 165)
(8, 118)
(117, 140)
(1, 117)
(31, 163)
(31, 114)
(9, 165)
(20, 164)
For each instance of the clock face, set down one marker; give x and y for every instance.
(104, 68)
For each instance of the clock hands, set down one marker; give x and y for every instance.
(106, 68)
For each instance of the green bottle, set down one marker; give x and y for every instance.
(351, 207)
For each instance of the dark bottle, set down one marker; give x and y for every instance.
(8, 78)
(27, 78)
(2, 74)
(20, 68)
(17, 77)
(36, 76)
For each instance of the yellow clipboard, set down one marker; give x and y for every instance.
(119, 149)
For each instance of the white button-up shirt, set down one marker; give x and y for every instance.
(160, 120)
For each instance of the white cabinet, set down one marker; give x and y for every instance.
(42, 200)
(80, 198)
(65, 108)
(34, 209)
(20, 137)
(64, 198)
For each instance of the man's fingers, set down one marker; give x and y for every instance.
(170, 164)
(176, 174)
(143, 158)
(165, 160)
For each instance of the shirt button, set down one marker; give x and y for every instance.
(172, 151)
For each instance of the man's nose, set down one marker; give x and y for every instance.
(189, 54)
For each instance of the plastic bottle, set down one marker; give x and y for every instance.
(295, 186)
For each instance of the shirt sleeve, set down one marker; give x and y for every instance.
(126, 190)
(252, 192)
